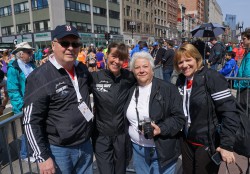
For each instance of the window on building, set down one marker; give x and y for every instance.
(77, 6)
(114, 14)
(100, 28)
(6, 31)
(39, 4)
(21, 7)
(23, 28)
(114, 30)
(42, 26)
(128, 10)
(138, 2)
(81, 27)
(115, 1)
(138, 14)
(5, 11)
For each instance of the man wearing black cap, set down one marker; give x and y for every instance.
(57, 112)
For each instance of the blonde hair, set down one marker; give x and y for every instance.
(187, 50)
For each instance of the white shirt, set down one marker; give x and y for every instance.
(143, 111)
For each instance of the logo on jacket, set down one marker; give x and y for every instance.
(61, 88)
(102, 87)
(181, 90)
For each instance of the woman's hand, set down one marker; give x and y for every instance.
(226, 155)
(157, 130)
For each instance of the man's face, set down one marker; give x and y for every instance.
(245, 41)
(213, 42)
(66, 49)
(114, 63)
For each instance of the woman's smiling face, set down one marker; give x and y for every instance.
(188, 66)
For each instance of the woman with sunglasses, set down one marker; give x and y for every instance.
(243, 86)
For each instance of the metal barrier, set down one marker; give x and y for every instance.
(11, 130)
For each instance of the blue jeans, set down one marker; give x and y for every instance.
(145, 161)
(23, 151)
(167, 74)
(73, 159)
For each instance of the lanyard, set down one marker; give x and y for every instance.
(186, 101)
(76, 86)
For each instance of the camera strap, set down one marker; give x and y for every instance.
(136, 103)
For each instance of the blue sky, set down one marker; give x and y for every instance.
(240, 8)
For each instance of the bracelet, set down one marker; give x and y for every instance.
(2, 106)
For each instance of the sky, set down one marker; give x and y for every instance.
(240, 8)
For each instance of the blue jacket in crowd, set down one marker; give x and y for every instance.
(244, 71)
(230, 68)
(16, 85)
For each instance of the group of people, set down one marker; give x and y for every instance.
(134, 112)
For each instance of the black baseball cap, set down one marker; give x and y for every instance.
(64, 30)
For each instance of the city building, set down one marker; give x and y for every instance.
(149, 20)
(195, 8)
(215, 13)
(33, 20)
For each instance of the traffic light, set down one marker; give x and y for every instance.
(107, 36)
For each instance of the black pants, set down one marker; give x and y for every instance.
(110, 153)
(196, 160)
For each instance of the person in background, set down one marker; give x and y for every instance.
(5, 98)
(243, 86)
(100, 59)
(110, 92)
(230, 68)
(4, 61)
(18, 71)
(216, 56)
(239, 51)
(158, 54)
(205, 92)
(38, 56)
(82, 55)
(91, 61)
(57, 111)
(167, 61)
(155, 117)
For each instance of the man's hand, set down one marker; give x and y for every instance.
(47, 167)
(226, 155)
(157, 130)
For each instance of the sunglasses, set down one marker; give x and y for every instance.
(66, 44)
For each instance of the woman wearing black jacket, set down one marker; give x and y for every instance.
(155, 115)
(207, 101)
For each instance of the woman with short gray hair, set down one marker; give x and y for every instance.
(155, 116)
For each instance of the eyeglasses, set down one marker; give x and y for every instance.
(66, 44)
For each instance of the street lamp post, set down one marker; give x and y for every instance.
(132, 25)
(240, 25)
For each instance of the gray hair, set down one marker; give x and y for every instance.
(141, 55)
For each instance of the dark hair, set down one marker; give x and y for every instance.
(142, 44)
(231, 53)
(1, 75)
(246, 33)
(213, 38)
(170, 43)
(121, 52)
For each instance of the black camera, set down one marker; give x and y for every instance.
(145, 126)
(148, 130)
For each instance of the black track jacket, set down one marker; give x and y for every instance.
(223, 109)
(51, 114)
(110, 95)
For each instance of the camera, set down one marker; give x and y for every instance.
(145, 126)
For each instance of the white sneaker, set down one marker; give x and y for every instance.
(32, 159)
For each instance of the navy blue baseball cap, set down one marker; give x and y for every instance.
(64, 30)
